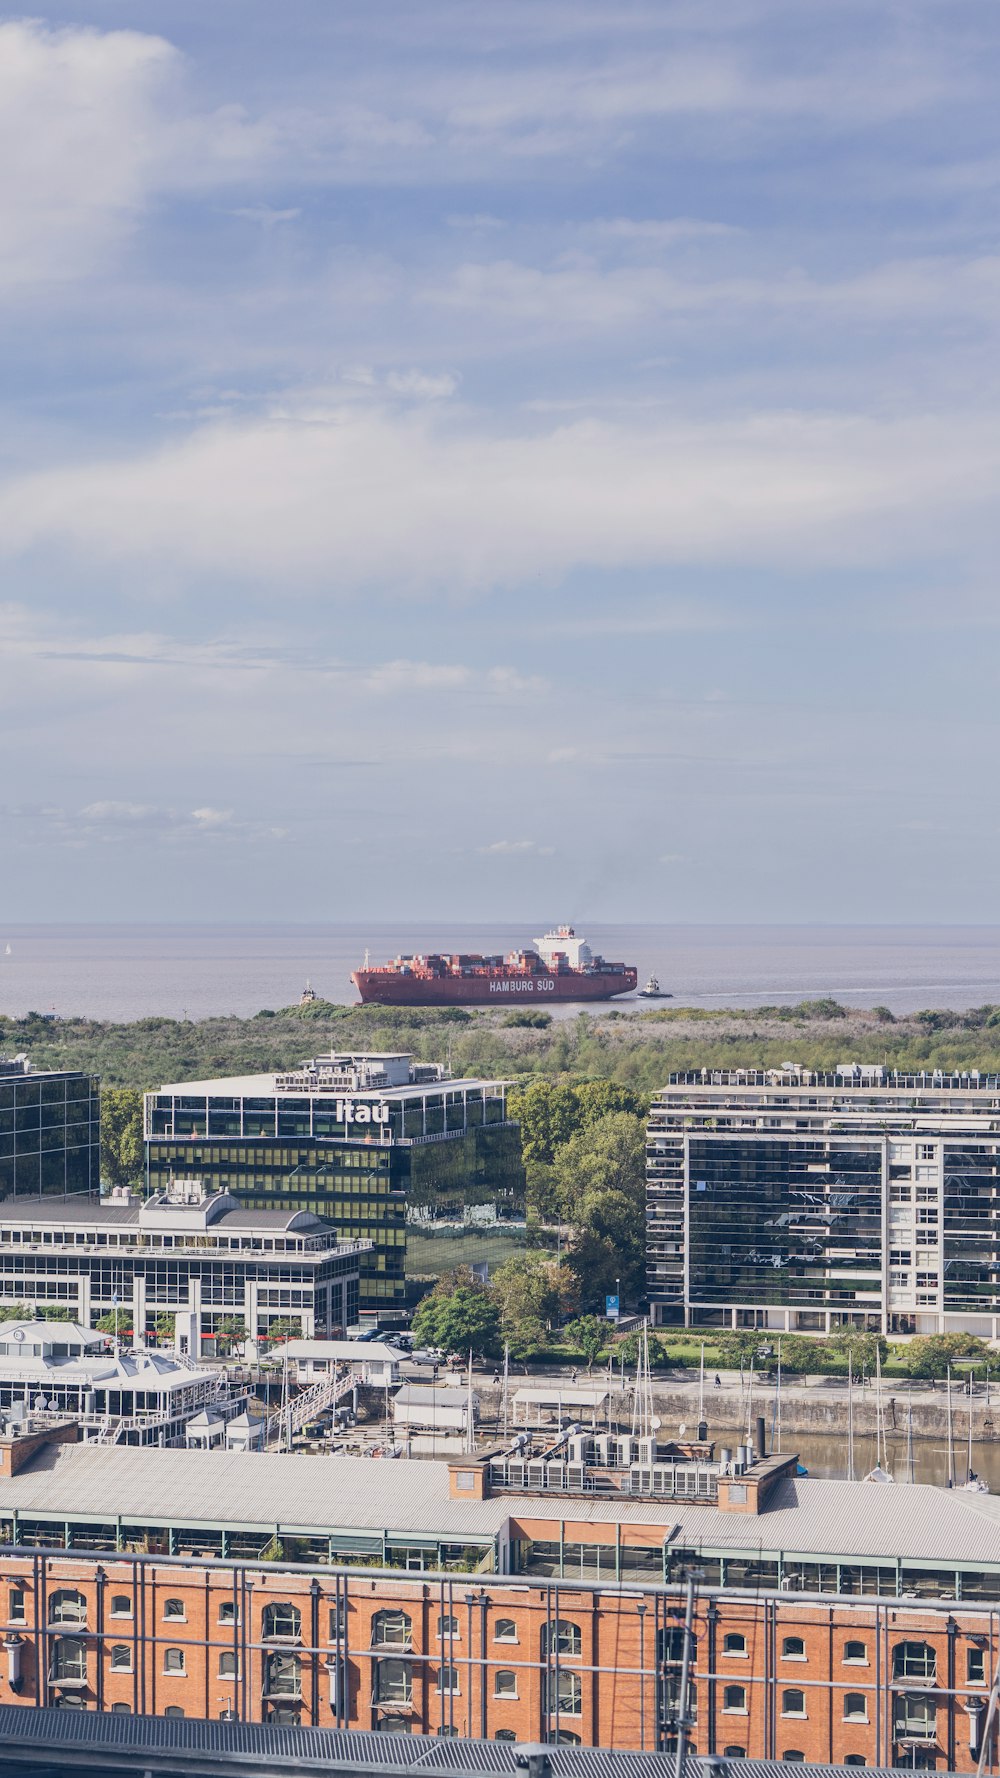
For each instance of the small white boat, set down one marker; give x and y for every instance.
(653, 991)
(7, 951)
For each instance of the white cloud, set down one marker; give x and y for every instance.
(419, 383)
(411, 501)
(515, 848)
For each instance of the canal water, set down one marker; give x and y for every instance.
(825, 1455)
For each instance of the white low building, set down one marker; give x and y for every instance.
(370, 1361)
(61, 1369)
(421, 1405)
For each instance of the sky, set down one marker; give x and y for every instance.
(481, 462)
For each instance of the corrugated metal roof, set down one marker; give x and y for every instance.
(845, 1519)
(276, 1749)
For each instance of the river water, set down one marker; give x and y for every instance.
(129, 972)
(825, 1455)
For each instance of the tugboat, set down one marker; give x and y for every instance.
(653, 991)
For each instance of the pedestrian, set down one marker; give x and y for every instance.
(573, 1377)
(496, 1376)
(718, 1381)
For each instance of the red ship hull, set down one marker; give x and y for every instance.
(490, 987)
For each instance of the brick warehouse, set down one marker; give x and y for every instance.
(446, 1609)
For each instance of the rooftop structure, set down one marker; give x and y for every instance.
(61, 1370)
(385, 1148)
(199, 1255)
(789, 1199)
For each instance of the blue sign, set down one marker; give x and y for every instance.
(612, 1308)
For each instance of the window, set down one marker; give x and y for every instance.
(734, 1697)
(505, 1630)
(925, 1151)
(69, 1660)
(173, 1710)
(282, 1675)
(227, 1611)
(855, 1707)
(173, 1660)
(227, 1665)
(913, 1660)
(393, 1682)
(561, 1637)
(734, 1753)
(447, 1679)
(793, 1755)
(15, 1606)
(121, 1605)
(505, 1735)
(900, 1256)
(914, 1717)
(121, 1658)
(975, 1666)
(857, 1653)
(564, 1694)
(121, 1709)
(855, 1759)
(793, 1649)
(392, 1629)
(734, 1644)
(282, 1619)
(174, 1608)
(447, 1626)
(67, 1607)
(793, 1703)
(505, 1683)
(336, 1629)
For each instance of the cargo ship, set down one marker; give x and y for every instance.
(560, 966)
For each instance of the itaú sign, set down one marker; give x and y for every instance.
(349, 1113)
(523, 984)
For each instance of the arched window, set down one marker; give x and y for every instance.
(855, 1759)
(174, 1608)
(173, 1710)
(69, 1660)
(913, 1660)
(734, 1697)
(505, 1683)
(561, 1637)
(793, 1703)
(855, 1707)
(793, 1649)
(227, 1664)
(392, 1629)
(505, 1630)
(505, 1735)
(173, 1660)
(282, 1675)
(121, 1605)
(121, 1657)
(793, 1756)
(447, 1679)
(67, 1607)
(121, 1709)
(566, 1738)
(734, 1644)
(856, 1653)
(564, 1693)
(734, 1753)
(393, 1682)
(282, 1620)
(447, 1626)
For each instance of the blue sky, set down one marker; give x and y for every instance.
(500, 463)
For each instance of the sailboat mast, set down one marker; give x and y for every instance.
(951, 1442)
(850, 1419)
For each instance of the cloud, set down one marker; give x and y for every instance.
(265, 215)
(418, 383)
(515, 848)
(408, 501)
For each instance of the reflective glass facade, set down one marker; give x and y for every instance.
(787, 1199)
(49, 1133)
(437, 1182)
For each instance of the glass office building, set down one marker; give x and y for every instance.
(794, 1200)
(50, 1132)
(387, 1149)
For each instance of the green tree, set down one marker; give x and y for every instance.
(15, 1312)
(860, 1345)
(601, 1182)
(737, 1346)
(122, 1153)
(289, 1327)
(533, 1287)
(462, 1320)
(590, 1335)
(548, 1114)
(229, 1332)
(630, 1347)
(929, 1355)
(165, 1325)
(116, 1321)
